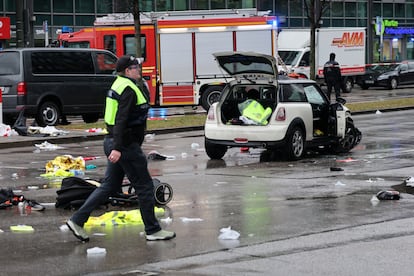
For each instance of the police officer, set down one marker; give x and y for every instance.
(332, 75)
(125, 117)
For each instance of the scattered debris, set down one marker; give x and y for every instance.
(339, 183)
(96, 251)
(228, 234)
(336, 169)
(166, 220)
(184, 219)
(22, 228)
(378, 112)
(409, 181)
(156, 156)
(347, 160)
(388, 195)
(47, 146)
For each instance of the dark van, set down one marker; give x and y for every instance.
(48, 83)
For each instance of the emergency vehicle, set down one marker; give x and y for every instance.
(178, 48)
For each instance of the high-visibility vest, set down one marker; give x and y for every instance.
(114, 95)
(254, 111)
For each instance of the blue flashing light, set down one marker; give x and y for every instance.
(66, 29)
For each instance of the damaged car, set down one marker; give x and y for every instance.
(259, 109)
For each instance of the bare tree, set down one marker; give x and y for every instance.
(137, 25)
(314, 11)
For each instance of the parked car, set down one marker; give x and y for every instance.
(48, 83)
(296, 114)
(389, 75)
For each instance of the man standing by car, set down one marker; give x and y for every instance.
(125, 116)
(332, 75)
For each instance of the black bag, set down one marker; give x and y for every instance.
(74, 192)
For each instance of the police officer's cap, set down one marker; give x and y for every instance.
(125, 61)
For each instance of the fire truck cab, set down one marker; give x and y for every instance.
(178, 48)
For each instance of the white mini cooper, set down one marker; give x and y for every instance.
(290, 116)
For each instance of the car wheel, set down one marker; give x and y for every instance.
(393, 83)
(48, 114)
(90, 118)
(295, 143)
(210, 96)
(351, 139)
(215, 151)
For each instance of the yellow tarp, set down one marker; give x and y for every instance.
(120, 218)
(66, 163)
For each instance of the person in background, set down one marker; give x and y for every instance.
(125, 117)
(332, 75)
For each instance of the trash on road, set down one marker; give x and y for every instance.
(120, 218)
(347, 160)
(156, 156)
(228, 234)
(339, 183)
(96, 251)
(48, 146)
(6, 131)
(409, 181)
(49, 130)
(62, 165)
(388, 195)
(336, 169)
(21, 228)
(184, 219)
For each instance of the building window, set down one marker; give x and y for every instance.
(281, 8)
(10, 6)
(337, 22)
(63, 20)
(199, 5)
(362, 9)
(42, 6)
(409, 10)
(218, 4)
(399, 10)
(350, 23)
(84, 6)
(42, 17)
(104, 6)
(147, 5)
(295, 22)
(350, 9)
(180, 5)
(296, 7)
(337, 9)
(387, 10)
(62, 6)
(84, 20)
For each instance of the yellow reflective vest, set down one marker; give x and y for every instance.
(113, 96)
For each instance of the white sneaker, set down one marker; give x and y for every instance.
(77, 231)
(161, 235)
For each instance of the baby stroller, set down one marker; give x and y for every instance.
(75, 190)
(162, 194)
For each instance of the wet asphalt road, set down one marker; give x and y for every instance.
(285, 212)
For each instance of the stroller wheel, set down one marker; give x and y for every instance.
(163, 193)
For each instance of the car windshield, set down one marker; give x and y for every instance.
(9, 63)
(289, 57)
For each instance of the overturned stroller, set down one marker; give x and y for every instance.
(75, 190)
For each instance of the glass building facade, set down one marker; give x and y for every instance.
(397, 43)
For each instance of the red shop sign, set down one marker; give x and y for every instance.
(4, 27)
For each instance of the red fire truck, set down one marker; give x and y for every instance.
(177, 48)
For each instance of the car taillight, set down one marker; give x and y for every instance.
(281, 114)
(21, 89)
(211, 116)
